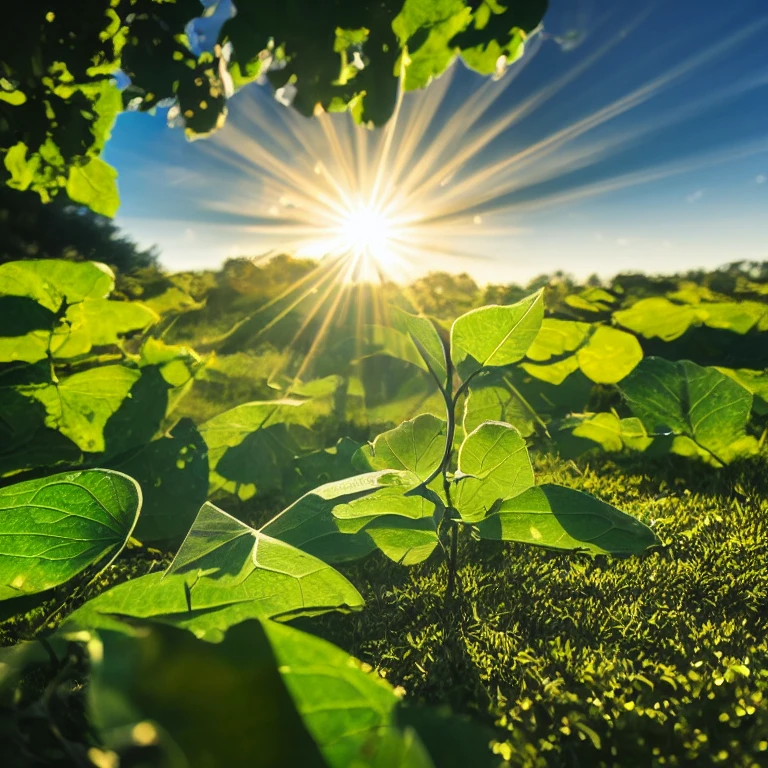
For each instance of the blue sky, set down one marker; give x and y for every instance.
(677, 179)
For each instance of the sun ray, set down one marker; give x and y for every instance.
(448, 178)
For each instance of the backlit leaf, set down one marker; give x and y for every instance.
(415, 446)
(247, 445)
(493, 465)
(426, 339)
(224, 573)
(687, 400)
(333, 521)
(657, 317)
(54, 528)
(496, 335)
(557, 337)
(494, 399)
(552, 373)
(609, 355)
(94, 184)
(351, 714)
(52, 281)
(80, 405)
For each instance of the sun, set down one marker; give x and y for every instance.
(368, 234)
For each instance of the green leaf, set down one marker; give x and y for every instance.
(25, 441)
(609, 355)
(426, 338)
(426, 27)
(385, 340)
(80, 405)
(493, 465)
(603, 429)
(341, 521)
(94, 184)
(689, 401)
(609, 431)
(50, 282)
(21, 169)
(739, 317)
(553, 373)
(54, 528)
(755, 381)
(557, 337)
(498, 30)
(592, 300)
(25, 329)
(555, 517)
(657, 317)
(492, 398)
(173, 474)
(98, 322)
(248, 445)
(225, 573)
(495, 336)
(219, 704)
(351, 714)
(401, 522)
(415, 446)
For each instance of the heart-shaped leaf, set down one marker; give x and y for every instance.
(695, 404)
(415, 446)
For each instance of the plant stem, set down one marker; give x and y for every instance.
(452, 564)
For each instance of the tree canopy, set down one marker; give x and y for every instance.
(59, 66)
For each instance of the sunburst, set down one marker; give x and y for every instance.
(441, 184)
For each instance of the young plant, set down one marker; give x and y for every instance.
(423, 485)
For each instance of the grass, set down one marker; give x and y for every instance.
(659, 660)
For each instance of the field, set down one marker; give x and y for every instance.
(535, 514)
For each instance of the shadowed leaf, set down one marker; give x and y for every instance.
(556, 517)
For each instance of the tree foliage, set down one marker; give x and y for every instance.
(59, 96)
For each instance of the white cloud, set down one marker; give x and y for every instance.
(760, 179)
(622, 241)
(695, 196)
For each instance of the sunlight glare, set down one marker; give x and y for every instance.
(366, 232)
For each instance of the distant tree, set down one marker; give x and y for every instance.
(444, 295)
(30, 229)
